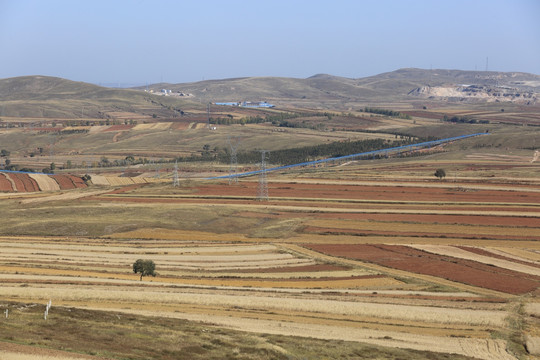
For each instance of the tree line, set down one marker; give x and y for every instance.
(387, 112)
(463, 120)
(299, 154)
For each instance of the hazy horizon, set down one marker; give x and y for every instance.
(138, 42)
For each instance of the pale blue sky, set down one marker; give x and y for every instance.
(135, 42)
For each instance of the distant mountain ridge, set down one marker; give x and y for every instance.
(334, 90)
(51, 97)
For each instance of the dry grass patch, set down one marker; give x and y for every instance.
(184, 235)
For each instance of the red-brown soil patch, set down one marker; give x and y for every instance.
(378, 193)
(79, 182)
(19, 186)
(64, 181)
(30, 185)
(454, 269)
(497, 256)
(5, 184)
(119, 127)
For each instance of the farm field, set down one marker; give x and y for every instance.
(405, 266)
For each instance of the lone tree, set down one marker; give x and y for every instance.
(440, 173)
(144, 267)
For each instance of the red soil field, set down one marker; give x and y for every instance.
(30, 185)
(454, 269)
(64, 182)
(79, 183)
(5, 184)
(19, 186)
(496, 256)
(367, 192)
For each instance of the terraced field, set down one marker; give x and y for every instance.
(436, 269)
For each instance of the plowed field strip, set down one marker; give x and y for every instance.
(64, 182)
(30, 185)
(497, 255)
(483, 258)
(416, 261)
(5, 184)
(305, 249)
(528, 254)
(18, 185)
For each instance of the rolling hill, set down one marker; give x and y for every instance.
(329, 91)
(51, 97)
(55, 98)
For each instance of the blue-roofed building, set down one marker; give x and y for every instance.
(248, 104)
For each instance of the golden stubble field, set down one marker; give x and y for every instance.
(447, 267)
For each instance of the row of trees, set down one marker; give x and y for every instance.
(299, 154)
(387, 112)
(275, 119)
(463, 120)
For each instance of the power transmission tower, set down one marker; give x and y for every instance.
(262, 190)
(233, 169)
(176, 180)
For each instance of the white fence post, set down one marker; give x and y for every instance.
(47, 307)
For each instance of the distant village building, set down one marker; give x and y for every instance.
(248, 104)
